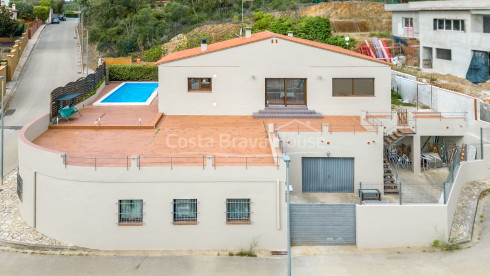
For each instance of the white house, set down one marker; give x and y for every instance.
(202, 168)
(451, 33)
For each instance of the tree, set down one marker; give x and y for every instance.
(41, 12)
(8, 26)
(22, 8)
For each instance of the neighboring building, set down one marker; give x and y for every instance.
(450, 32)
(12, 9)
(208, 173)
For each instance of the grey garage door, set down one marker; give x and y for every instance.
(323, 224)
(328, 175)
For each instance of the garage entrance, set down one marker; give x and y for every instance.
(328, 175)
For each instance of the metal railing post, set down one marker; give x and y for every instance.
(444, 192)
(400, 192)
(171, 163)
(95, 163)
(360, 189)
(127, 162)
(481, 143)
(139, 162)
(65, 159)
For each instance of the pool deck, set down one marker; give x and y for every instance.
(113, 117)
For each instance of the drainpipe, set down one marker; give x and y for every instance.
(287, 159)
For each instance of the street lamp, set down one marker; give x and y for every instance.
(3, 115)
(287, 159)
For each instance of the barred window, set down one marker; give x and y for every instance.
(185, 211)
(238, 211)
(19, 186)
(131, 212)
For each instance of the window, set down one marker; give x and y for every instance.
(449, 25)
(131, 212)
(486, 24)
(285, 91)
(352, 87)
(199, 85)
(185, 211)
(19, 186)
(237, 211)
(407, 22)
(443, 54)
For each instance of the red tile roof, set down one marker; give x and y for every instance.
(258, 37)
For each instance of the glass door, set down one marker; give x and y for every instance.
(285, 92)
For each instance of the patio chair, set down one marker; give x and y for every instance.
(69, 110)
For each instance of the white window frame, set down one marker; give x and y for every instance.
(404, 21)
(451, 21)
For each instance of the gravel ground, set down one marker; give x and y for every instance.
(12, 226)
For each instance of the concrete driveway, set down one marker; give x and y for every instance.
(53, 63)
(306, 261)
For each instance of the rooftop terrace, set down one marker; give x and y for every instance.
(172, 140)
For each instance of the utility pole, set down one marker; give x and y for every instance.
(287, 159)
(3, 115)
(87, 50)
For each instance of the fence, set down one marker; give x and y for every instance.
(405, 193)
(171, 161)
(84, 86)
(324, 128)
(117, 61)
(32, 27)
(436, 98)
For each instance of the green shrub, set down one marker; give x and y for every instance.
(153, 54)
(133, 73)
(71, 15)
(41, 12)
(95, 90)
(450, 245)
(22, 8)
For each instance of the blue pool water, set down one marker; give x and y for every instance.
(131, 93)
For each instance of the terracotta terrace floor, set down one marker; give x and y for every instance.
(171, 140)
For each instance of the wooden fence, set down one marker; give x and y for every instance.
(84, 86)
(117, 61)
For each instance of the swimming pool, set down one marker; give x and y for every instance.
(130, 93)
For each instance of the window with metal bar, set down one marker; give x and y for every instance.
(19, 186)
(199, 85)
(185, 211)
(352, 87)
(238, 211)
(130, 212)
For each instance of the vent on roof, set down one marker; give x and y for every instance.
(204, 45)
(248, 32)
(290, 33)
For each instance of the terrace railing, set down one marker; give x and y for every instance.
(324, 128)
(171, 161)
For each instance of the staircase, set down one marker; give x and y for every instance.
(396, 136)
(287, 112)
(390, 185)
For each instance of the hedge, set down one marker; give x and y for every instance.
(133, 73)
(71, 15)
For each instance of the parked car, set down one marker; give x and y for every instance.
(55, 21)
(62, 17)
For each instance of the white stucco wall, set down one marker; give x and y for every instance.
(78, 205)
(239, 73)
(384, 226)
(397, 28)
(368, 158)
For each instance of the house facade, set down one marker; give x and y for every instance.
(201, 166)
(450, 33)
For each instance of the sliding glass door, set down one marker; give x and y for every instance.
(285, 92)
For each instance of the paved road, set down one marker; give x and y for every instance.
(52, 64)
(329, 261)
